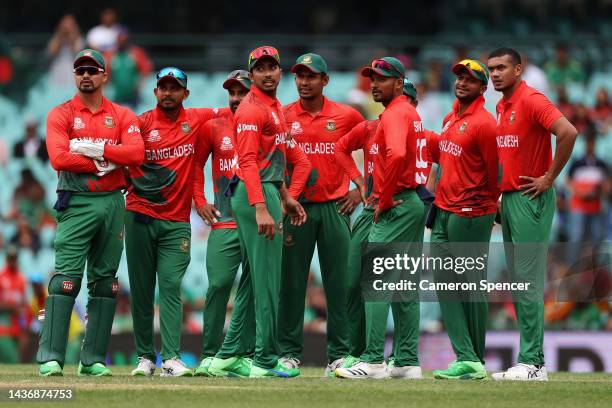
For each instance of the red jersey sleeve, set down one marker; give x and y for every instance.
(203, 149)
(250, 122)
(206, 114)
(301, 168)
(131, 151)
(432, 142)
(353, 140)
(543, 111)
(488, 148)
(395, 128)
(58, 146)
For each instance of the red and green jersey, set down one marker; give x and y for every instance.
(401, 161)
(261, 144)
(523, 135)
(12, 293)
(217, 139)
(467, 154)
(162, 187)
(317, 136)
(360, 137)
(116, 125)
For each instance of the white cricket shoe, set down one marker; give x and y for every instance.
(145, 368)
(364, 370)
(290, 362)
(174, 367)
(522, 372)
(330, 370)
(407, 372)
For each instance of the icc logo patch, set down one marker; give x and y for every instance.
(78, 124)
(226, 143)
(331, 126)
(512, 117)
(67, 286)
(185, 127)
(109, 122)
(185, 245)
(296, 128)
(154, 136)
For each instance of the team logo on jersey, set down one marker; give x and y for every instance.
(185, 245)
(331, 126)
(463, 127)
(153, 136)
(109, 122)
(185, 127)
(289, 240)
(226, 143)
(67, 286)
(275, 118)
(296, 128)
(374, 149)
(78, 124)
(512, 117)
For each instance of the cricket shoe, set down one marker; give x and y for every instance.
(202, 370)
(406, 372)
(364, 370)
(230, 367)
(174, 367)
(462, 370)
(145, 368)
(94, 370)
(279, 371)
(50, 369)
(522, 372)
(345, 362)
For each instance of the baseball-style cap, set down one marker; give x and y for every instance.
(387, 66)
(263, 52)
(175, 73)
(92, 55)
(474, 67)
(239, 76)
(409, 89)
(314, 62)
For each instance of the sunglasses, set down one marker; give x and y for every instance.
(173, 72)
(262, 52)
(91, 71)
(384, 65)
(239, 75)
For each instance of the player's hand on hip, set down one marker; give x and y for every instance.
(350, 201)
(378, 211)
(295, 211)
(104, 167)
(94, 150)
(265, 223)
(208, 213)
(535, 185)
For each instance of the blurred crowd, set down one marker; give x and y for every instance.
(584, 190)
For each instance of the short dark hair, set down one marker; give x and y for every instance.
(515, 57)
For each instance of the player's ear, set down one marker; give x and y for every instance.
(104, 77)
(325, 79)
(518, 69)
(251, 76)
(186, 94)
(483, 89)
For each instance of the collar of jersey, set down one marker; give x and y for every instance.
(325, 111)
(516, 95)
(160, 116)
(476, 104)
(267, 99)
(79, 105)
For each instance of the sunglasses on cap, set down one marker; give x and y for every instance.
(239, 74)
(91, 71)
(180, 76)
(265, 51)
(384, 65)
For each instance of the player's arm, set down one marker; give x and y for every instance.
(58, 146)
(395, 131)
(203, 149)
(353, 140)
(206, 114)
(487, 145)
(131, 151)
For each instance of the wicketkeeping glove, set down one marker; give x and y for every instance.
(95, 150)
(104, 167)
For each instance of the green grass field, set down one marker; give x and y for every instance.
(310, 390)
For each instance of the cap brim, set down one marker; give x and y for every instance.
(229, 82)
(368, 71)
(175, 79)
(264, 57)
(309, 67)
(85, 57)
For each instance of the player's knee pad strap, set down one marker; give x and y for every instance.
(64, 285)
(105, 287)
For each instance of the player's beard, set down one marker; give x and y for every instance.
(88, 89)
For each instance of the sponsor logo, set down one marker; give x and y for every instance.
(133, 128)
(67, 286)
(275, 118)
(154, 136)
(463, 127)
(244, 127)
(374, 149)
(78, 124)
(296, 128)
(331, 126)
(512, 117)
(185, 245)
(185, 127)
(226, 143)
(115, 288)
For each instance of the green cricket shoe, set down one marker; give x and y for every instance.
(391, 363)
(94, 370)
(279, 371)
(462, 370)
(230, 367)
(202, 370)
(51, 369)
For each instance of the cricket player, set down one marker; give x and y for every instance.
(398, 217)
(465, 208)
(316, 124)
(259, 197)
(525, 120)
(89, 139)
(223, 256)
(361, 137)
(158, 232)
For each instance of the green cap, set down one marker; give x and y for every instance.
(409, 89)
(238, 76)
(314, 62)
(475, 68)
(386, 66)
(92, 55)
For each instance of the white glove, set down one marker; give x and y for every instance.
(94, 150)
(104, 167)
